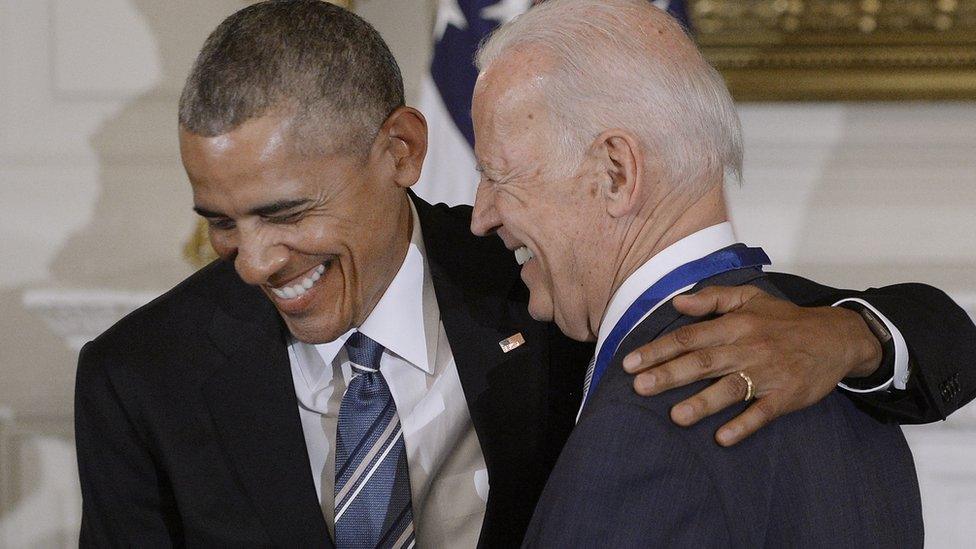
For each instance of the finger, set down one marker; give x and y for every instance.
(725, 392)
(688, 368)
(755, 417)
(715, 300)
(693, 337)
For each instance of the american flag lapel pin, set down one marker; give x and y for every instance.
(511, 343)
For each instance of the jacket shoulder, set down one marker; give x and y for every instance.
(175, 317)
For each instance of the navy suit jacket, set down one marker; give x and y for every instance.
(826, 476)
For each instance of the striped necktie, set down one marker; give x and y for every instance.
(589, 375)
(372, 484)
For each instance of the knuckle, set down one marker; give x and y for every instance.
(663, 377)
(747, 322)
(704, 361)
(684, 337)
(763, 355)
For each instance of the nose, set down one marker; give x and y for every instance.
(484, 217)
(258, 259)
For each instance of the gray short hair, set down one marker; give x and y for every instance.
(321, 64)
(611, 70)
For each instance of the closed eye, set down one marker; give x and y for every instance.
(486, 175)
(220, 223)
(285, 218)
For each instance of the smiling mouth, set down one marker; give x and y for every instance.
(523, 255)
(302, 286)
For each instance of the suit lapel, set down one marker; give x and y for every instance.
(506, 397)
(475, 280)
(499, 387)
(252, 401)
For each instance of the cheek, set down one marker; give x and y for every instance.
(312, 236)
(314, 230)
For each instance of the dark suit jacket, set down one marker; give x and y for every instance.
(187, 423)
(827, 476)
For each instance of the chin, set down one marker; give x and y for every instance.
(571, 332)
(577, 330)
(312, 331)
(539, 312)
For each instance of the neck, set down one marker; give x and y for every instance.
(398, 253)
(661, 225)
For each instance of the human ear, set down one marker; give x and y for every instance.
(621, 163)
(403, 139)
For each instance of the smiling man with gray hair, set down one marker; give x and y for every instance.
(604, 139)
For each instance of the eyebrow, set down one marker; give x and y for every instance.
(263, 211)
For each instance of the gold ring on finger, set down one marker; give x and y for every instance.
(750, 387)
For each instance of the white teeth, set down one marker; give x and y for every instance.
(299, 289)
(523, 254)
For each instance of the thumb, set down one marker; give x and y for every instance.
(715, 300)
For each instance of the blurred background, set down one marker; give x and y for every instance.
(860, 170)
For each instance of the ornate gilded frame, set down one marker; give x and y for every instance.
(840, 49)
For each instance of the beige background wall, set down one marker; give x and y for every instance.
(92, 197)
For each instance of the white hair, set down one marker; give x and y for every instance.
(620, 64)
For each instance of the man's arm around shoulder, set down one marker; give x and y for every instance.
(941, 341)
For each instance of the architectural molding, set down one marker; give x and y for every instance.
(79, 315)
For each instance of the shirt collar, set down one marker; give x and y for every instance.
(404, 320)
(689, 248)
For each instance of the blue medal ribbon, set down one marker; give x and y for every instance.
(716, 263)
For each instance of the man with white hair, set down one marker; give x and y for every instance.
(603, 138)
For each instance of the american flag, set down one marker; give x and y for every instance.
(445, 95)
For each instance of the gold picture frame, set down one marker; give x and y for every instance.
(847, 50)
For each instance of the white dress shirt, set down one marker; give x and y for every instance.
(695, 246)
(448, 477)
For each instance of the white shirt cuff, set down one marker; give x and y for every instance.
(900, 378)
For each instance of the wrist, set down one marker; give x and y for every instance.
(866, 346)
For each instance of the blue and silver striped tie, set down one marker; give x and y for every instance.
(372, 484)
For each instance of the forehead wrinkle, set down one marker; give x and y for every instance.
(519, 120)
(512, 115)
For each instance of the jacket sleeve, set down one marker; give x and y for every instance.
(941, 340)
(125, 499)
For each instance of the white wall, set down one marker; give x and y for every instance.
(92, 195)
